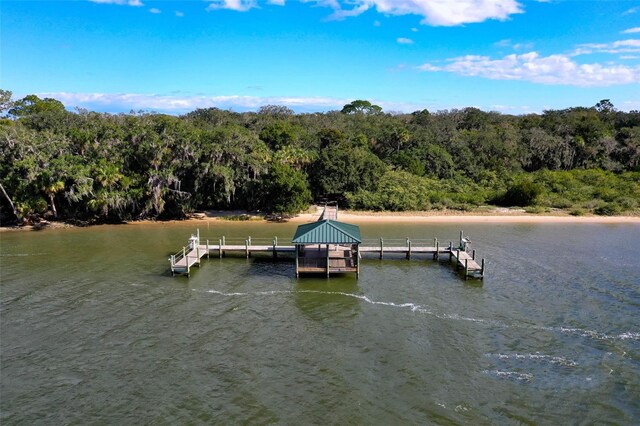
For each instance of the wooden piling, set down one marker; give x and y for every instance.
(482, 269)
(450, 250)
(466, 268)
(408, 249)
(220, 248)
(246, 248)
(381, 248)
(207, 249)
(458, 259)
(275, 253)
(436, 255)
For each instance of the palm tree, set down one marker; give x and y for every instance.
(51, 189)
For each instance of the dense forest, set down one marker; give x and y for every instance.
(97, 167)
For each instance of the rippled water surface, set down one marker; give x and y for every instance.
(94, 330)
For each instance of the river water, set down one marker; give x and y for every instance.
(95, 331)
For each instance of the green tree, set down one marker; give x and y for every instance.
(361, 107)
(285, 190)
(32, 104)
(6, 102)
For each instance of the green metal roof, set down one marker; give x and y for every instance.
(327, 232)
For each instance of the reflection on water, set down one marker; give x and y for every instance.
(94, 331)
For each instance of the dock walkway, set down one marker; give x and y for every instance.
(191, 255)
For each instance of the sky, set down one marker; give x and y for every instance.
(510, 56)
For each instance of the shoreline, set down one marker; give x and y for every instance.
(364, 217)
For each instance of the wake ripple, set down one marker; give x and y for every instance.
(596, 335)
(521, 377)
(557, 360)
(22, 254)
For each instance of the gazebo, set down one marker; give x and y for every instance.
(327, 246)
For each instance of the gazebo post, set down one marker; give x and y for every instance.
(327, 260)
(357, 261)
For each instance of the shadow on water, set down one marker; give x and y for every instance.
(328, 299)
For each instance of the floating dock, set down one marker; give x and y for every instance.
(329, 258)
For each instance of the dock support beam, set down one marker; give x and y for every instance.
(246, 248)
(466, 269)
(436, 255)
(381, 248)
(207, 249)
(482, 270)
(408, 249)
(450, 250)
(295, 247)
(458, 259)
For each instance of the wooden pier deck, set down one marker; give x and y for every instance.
(191, 255)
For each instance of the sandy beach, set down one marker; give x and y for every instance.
(360, 217)
(498, 215)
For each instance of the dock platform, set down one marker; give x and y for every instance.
(191, 255)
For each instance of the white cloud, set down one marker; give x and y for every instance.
(184, 103)
(237, 5)
(136, 3)
(155, 10)
(404, 40)
(515, 46)
(553, 70)
(433, 12)
(630, 105)
(511, 109)
(631, 30)
(178, 104)
(179, 14)
(415, 30)
(631, 11)
(616, 47)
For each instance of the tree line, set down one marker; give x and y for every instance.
(99, 167)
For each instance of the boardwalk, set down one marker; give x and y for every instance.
(191, 255)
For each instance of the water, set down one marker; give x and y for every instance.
(94, 330)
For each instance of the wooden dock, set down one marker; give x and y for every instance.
(191, 255)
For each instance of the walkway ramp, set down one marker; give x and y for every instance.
(330, 212)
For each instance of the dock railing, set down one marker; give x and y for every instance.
(175, 258)
(399, 242)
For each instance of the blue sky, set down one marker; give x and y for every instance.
(512, 56)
